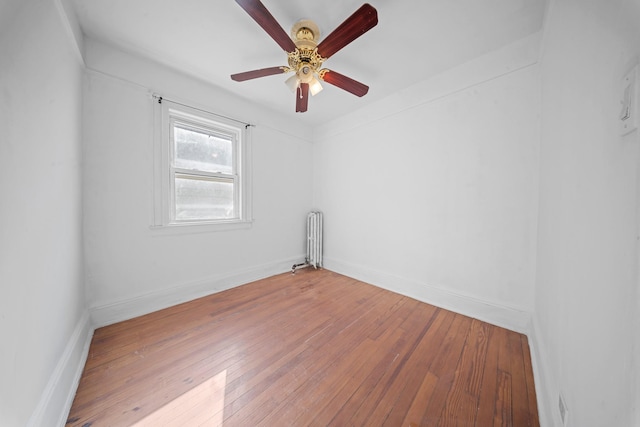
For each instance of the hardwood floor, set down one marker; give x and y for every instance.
(314, 348)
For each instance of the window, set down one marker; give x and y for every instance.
(201, 172)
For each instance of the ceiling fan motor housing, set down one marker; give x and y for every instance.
(305, 60)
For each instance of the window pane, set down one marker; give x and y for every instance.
(201, 151)
(198, 199)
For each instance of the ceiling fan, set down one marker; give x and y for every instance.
(306, 55)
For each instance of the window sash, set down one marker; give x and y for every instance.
(225, 212)
(210, 131)
(233, 173)
(203, 175)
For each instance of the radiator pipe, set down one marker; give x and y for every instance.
(298, 266)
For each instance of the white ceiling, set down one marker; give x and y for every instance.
(212, 39)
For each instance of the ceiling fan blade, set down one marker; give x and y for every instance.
(263, 72)
(302, 97)
(263, 17)
(344, 82)
(353, 27)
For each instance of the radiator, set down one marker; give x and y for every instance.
(314, 242)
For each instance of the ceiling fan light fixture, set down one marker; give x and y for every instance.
(305, 74)
(292, 83)
(315, 87)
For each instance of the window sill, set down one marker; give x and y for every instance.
(199, 227)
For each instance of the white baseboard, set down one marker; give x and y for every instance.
(58, 395)
(546, 387)
(117, 311)
(512, 318)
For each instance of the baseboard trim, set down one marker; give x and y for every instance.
(513, 318)
(57, 397)
(117, 311)
(546, 387)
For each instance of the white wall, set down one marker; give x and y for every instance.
(433, 191)
(586, 290)
(41, 286)
(132, 269)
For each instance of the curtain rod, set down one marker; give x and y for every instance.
(161, 98)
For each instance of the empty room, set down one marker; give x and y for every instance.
(292, 213)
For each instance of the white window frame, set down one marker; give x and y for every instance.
(167, 114)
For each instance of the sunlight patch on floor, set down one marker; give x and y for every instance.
(200, 406)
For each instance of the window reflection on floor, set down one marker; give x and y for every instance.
(200, 406)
